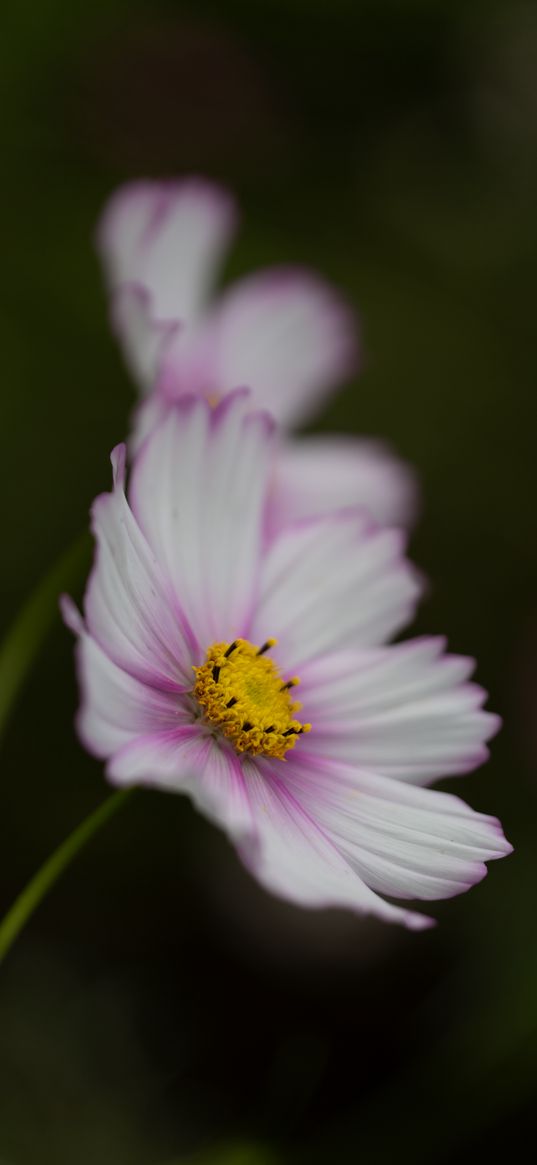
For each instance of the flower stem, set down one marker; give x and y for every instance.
(30, 898)
(21, 645)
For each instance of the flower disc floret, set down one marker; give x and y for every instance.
(243, 694)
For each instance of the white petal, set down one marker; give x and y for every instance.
(294, 858)
(219, 789)
(317, 475)
(405, 711)
(198, 489)
(285, 334)
(116, 707)
(161, 244)
(145, 339)
(130, 607)
(170, 238)
(164, 759)
(403, 841)
(332, 583)
(188, 760)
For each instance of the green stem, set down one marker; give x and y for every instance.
(30, 898)
(22, 642)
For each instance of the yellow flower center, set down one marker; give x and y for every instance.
(243, 694)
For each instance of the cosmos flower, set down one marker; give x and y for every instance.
(283, 333)
(198, 626)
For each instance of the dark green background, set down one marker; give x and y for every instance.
(160, 1005)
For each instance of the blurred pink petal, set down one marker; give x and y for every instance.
(284, 333)
(168, 240)
(317, 475)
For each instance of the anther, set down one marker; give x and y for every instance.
(292, 683)
(247, 726)
(231, 702)
(216, 673)
(271, 729)
(267, 646)
(230, 649)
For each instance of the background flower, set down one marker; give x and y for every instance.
(283, 333)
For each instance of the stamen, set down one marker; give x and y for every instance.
(247, 726)
(292, 683)
(267, 646)
(216, 674)
(231, 702)
(232, 647)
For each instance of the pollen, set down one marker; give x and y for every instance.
(242, 693)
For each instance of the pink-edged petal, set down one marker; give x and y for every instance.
(405, 711)
(403, 841)
(198, 489)
(219, 789)
(170, 237)
(144, 338)
(322, 474)
(115, 707)
(334, 582)
(188, 760)
(294, 857)
(161, 759)
(284, 333)
(130, 607)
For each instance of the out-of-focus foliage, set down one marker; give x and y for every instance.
(160, 1003)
